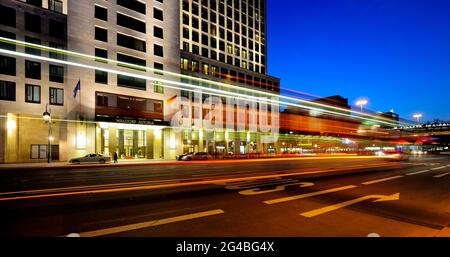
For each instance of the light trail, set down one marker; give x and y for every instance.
(185, 182)
(216, 92)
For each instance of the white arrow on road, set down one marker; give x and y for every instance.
(379, 198)
(257, 191)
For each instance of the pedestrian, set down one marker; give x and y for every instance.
(115, 157)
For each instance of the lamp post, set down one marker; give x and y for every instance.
(361, 103)
(418, 116)
(47, 117)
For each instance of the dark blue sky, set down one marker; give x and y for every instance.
(396, 53)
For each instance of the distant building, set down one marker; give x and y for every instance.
(391, 117)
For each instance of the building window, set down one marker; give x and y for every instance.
(131, 42)
(101, 77)
(184, 93)
(131, 82)
(186, 33)
(8, 16)
(7, 90)
(56, 29)
(158, 32)
(158, 87)
(56, 96)
(101, 34)
(195, 36)
(205, 52)
(6, 45)
(186, 46)
(215, 71)
(195, 66)
(158, 50)
(32, 70)
(37, 3)
(101, 13)
(34, 50)
(32, 94)
(195, 49)
(7, 65)
(32, 23)
(54, 53)
(134, 5)
(56, 73)
(131, 23)
(158, 14)
(158, 67)
(229, 49)
(55, 5)
(126, 59)
(184, 63)
(205, 69)
(102, 53)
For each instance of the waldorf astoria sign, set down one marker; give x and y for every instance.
(129, 120)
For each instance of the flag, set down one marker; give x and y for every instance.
(76, 89)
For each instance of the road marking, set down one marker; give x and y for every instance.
(441, 175)
(381, 180)
(152, 223)
(379, 198)
(257, 191)
(418, 172)
(439, 168)
(175, 183)
(255, 184)
(295, 197)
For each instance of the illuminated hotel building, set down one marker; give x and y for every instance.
(124, 108)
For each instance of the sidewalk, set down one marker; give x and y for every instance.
(67, 165)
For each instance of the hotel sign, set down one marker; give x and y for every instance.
(127, 120)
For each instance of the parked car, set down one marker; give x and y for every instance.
(396, 156)
(91, 158)
(179, 157)
(196, 156)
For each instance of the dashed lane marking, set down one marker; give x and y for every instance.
(295, 197)
(441, 175)
(152, 223)
(381, 180)
(439, 168)
(417, 172)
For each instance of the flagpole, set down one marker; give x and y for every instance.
(79, 116)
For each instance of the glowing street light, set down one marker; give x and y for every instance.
(418, 116)
(47, 117)
(361, 103)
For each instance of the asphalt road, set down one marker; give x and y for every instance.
(306, 197)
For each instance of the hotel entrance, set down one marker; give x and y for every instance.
(130, 126)
(132, 144)
(130, 141)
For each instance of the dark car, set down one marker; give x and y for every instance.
(196, 156)
(179, 157)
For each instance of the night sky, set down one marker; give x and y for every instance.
(396, 53)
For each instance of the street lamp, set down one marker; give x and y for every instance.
(361, 103)
(47, 117)
(418, 116)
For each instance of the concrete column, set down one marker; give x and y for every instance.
(12, 138)
(201, 146)
(2, 138)
(158, 144)
(112, 141)
(150, 144)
